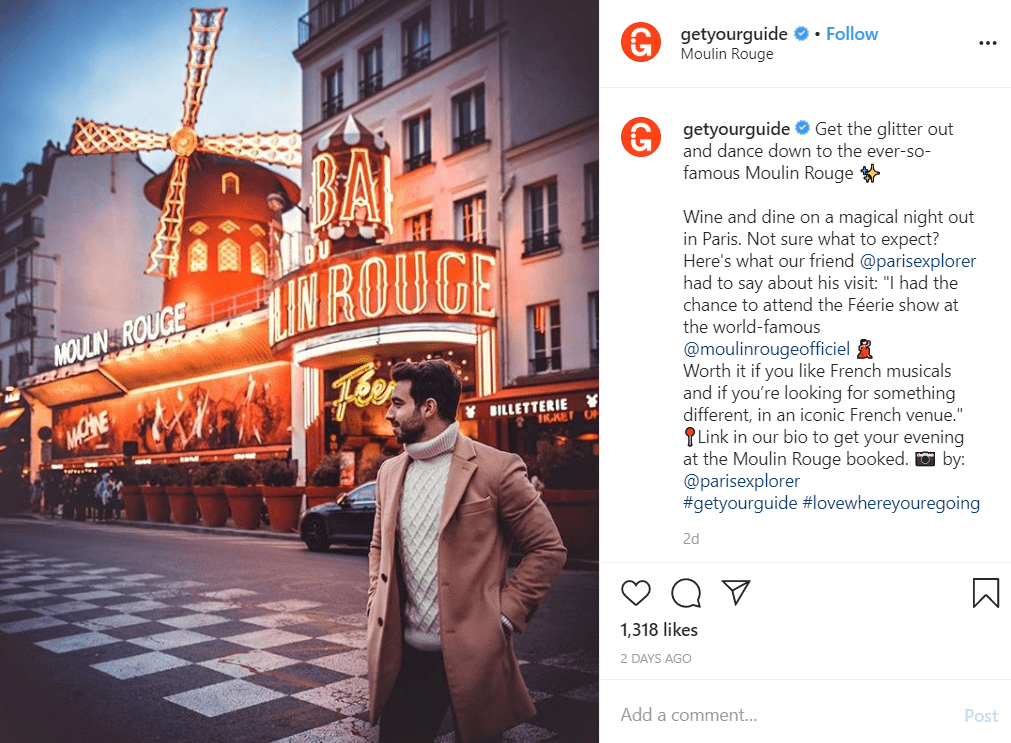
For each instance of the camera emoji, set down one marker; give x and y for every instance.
(924, 459)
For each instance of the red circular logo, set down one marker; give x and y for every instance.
(640, 42)
(640, 137)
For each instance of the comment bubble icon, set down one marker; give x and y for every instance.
(687, 594)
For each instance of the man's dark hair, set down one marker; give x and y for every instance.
(434, 379)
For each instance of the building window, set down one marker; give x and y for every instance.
(258, 259)
(542, 218)
(20, 366)
(3, 288)
(418, 141)
(333, 91)
(591, 190)
(417, 44)
(469, 215)
(370, 70)
(468, 118)
(467, 21)
(230, 184)
(198, 256)
(3, 202)
(29, 182)
(22, 273)
(229, 256)
(545, 322)
(594, 315)
(419, 227)
(22, 321)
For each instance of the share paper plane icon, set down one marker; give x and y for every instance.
(737, 588)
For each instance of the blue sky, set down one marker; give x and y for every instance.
(124, 62)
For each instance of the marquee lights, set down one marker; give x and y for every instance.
(352, 194)
(456, 280)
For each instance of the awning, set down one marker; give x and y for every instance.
(230, 344)
(9, 417)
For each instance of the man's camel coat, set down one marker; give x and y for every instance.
(489, 504)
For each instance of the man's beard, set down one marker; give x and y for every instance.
(411, 431)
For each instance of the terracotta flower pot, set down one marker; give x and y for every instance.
(317, 495)
(133, 503)
(183, 504)
(156, 503)
(283, 506)
(213, 504)
(246, 504)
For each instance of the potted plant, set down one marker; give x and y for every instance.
(180, 494)
(133, 499)
(244, 497)
(284, 499)
(152, 478)
(324, 483)
(210, 494)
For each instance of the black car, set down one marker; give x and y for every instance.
(347, 521)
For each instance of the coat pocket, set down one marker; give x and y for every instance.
(474, 507)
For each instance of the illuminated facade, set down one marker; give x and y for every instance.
(186, 374)
(71, 258)
(489, 111)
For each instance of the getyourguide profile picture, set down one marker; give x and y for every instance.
(640, 42)
(640, 137)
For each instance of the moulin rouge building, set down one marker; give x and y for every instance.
(442, 218)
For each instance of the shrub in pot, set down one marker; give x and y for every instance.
(133, 499)
(179, 490)
(284, 499)
(324, 483)
(210, 494)
(244, 496)
(156, 503)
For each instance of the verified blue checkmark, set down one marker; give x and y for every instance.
(802, 127)
(800, 33)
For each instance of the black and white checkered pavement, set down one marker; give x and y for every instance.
(215, 650)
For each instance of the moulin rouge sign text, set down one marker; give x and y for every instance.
(456, 280)
(352, 198)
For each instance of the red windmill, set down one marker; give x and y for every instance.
(275, 148)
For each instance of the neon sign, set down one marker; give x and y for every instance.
(364, 392)
(449, 279)
(167, 321)
(351, 189)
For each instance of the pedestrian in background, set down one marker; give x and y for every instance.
(441, 609)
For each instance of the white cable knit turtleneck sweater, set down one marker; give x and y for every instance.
(420, 509)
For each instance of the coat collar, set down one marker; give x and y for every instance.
(461, 469)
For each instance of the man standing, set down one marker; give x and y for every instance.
(441, 611)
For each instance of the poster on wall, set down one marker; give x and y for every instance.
(247, 409)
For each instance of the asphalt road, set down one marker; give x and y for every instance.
(117, 634)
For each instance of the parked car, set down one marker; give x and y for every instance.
(349, 520)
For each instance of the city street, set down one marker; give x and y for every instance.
(117, 634)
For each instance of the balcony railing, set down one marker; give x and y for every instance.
(22, 233)
(541, 242)
(416, 161)
(468, 139)
(370, 85)
(333, 106)
(326, 15)
(417, 59)
(546, 362)
(591, 229)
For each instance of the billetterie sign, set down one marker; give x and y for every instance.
(149, 327)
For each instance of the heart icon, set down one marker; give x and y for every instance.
(635, 591)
